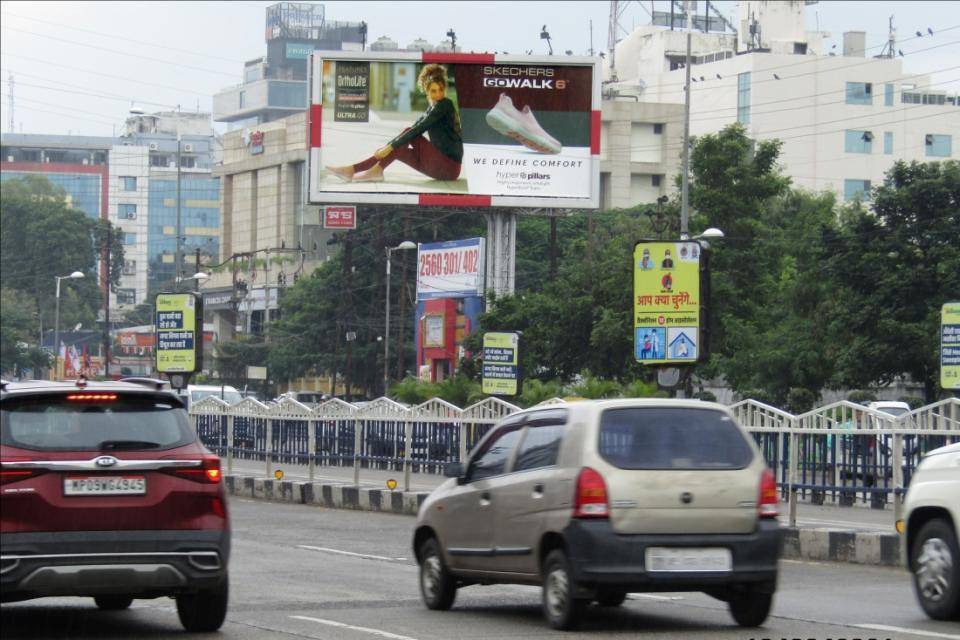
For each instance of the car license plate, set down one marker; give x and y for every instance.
(105, 486)
(688, 559)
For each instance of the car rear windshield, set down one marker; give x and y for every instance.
(672, 438)
(84, 422)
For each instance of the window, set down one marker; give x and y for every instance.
(938, 145)
(743, 98)
(541, 444)
(129, 183)
(888, 142)
(888, 95)
(126, 211)
(129, 267)
(860, 93)
(857, 141)
(856, 190)
(658, 128)
(129, 239)
(126, 296)
(243, 99)
(656, 438)
(655, 180)
(493, 460)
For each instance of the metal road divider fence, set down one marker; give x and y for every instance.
(842, 453)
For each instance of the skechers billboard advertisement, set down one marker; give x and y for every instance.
(454, 129)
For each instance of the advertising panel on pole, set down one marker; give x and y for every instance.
(501, 364)
(666, 302)
(950, 346)
(454, 129)
(179, 329)
(339, 217)
(451, 269)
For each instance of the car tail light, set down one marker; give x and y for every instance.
(16, 475)
(767, 505)
(92, 397)
(208, 472)
(591, 497)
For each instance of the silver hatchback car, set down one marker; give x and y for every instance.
(595, 499)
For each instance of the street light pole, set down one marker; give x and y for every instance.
(406, 244)
(56, 322)
(179, 252)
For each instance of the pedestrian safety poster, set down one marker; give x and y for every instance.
(179, 342)
(950, 346)
(666, 302)
(501, 364)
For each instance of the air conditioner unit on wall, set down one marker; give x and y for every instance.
(154, 146)
(188, 148)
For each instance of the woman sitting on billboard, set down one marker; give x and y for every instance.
(439, 156)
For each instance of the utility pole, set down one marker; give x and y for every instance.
(348, 311)
(196, 265)
(553, 246)
(685, 193)
(179, 253)
(106, 304)
(403, 304)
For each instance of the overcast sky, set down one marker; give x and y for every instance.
(157, 55)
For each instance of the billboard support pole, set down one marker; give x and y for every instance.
(501, 251)
(685, 191)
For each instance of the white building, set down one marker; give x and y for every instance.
(129, 210)
(843, 119)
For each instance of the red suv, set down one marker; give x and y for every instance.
(107, 492)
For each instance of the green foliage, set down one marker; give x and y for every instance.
(862, 396)
(536, 391)
(800, 400)
(18, 329)
(458, 390)
(913, 401)
(644, 389)
(706, 396)
(595, 388)
(232, 357)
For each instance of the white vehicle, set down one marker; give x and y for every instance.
(930, 528)
(197, 392)
(894, 408)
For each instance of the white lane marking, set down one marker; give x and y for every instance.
(916, 632)
(341, 625)
(653, 597)
(816, 564)
(846, 524)
(348, 553)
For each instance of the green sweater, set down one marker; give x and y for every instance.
(441, 123)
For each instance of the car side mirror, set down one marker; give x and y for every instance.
(454, 470)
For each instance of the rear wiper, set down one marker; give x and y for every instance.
(114, 445)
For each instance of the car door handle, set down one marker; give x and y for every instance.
(538, 491)
(485, 499)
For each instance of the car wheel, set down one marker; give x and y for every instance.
(611, 597)
(113, 603)
(750, 607)
(560, 606)
(438, 587)
(204, 610)
(936, 570)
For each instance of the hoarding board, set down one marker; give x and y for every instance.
(454, 129)
(179, 323)
(950, 346)
(451, 269)
(501, 364)
(666, 302)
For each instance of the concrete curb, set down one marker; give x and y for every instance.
(831, 545)
(325, 494)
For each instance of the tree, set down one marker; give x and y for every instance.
(18, 330)
(893, 267)
(41, 237)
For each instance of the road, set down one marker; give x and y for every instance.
(307, 572)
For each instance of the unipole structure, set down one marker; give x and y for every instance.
(386, 334)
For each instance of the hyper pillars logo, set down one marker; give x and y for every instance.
(509, 77)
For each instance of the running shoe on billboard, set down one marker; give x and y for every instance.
(522, 126)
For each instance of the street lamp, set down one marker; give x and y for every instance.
(197, 278)
(56, 322)
(403, 246)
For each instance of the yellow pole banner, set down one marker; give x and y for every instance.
(666, 302)
(950, 346)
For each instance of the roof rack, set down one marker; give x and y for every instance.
(157, 384)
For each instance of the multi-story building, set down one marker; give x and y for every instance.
(843, 119)
(132, 180)
(275, 86)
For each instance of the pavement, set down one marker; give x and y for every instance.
(856, 534)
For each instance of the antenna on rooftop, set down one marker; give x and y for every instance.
(890, 49)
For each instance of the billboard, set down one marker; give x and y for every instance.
(454, 129)
(179, 322)
(666, 302)
(501, 364)
(452, 269)
(950, 346)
